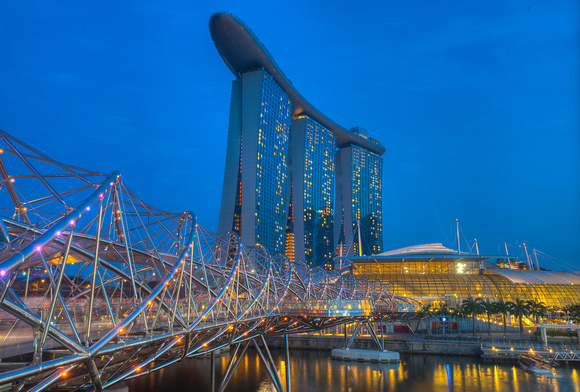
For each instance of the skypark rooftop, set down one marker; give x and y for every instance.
(243, 52)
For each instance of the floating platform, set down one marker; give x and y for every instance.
(365, 355)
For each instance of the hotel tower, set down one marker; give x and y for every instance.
(295, 181)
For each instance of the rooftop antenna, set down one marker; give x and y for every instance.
(457, 230)
(507, 254)
(530, 265)
(536, 258)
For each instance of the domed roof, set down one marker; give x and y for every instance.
(424, 249)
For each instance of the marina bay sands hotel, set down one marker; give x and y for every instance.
(295, 181)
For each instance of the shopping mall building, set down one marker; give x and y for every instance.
(433, 274)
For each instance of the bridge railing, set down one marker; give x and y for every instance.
(328, 308)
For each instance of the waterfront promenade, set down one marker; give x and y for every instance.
(495, 348)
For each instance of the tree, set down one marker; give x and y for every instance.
(457, 312)
(443, 312)
(519, 308)
(574, 312)
(427, 312)
(502, 307)
(489, 309)
(472, 306)
(538, 310)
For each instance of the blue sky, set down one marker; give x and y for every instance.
(477, 103)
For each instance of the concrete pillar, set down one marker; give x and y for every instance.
(544, 335)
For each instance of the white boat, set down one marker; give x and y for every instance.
(537, 364)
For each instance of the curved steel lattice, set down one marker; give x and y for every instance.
(97, 286)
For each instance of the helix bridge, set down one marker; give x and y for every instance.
(98, 287)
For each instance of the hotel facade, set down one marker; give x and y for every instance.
(294, 181)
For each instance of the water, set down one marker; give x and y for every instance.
(314, 371)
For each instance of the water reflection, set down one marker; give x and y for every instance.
(315, 371)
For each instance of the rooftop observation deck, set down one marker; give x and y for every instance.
(243, 52)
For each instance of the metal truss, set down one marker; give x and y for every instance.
(96, 286)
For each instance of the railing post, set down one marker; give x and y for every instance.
(382, 335)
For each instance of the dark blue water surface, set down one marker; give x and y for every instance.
(316, 371)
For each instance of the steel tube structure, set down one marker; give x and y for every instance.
(124, 289)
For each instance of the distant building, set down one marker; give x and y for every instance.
(256, 185)
(313, 172)
(285, 160)
(360, 174)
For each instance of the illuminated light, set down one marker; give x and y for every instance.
(64, 374)
(12, 180)
(166, 283)
(138, 369)
(24, 209)
(120, 330)
(205, 345)
(72, 222)
(271, 328)
(58, 233)
(38, 248)
(512, 349)
(2, 273)
(88, 208)
(101, 195)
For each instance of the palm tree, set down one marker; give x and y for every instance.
(537, 309)
(443, 312)
(427, 312)
(457, 311)
(489, 309)
(472, 306)
(519, 308)
(502, 307)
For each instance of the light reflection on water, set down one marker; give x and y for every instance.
(315, 371)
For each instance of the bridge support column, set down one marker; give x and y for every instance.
(269, 364)
(288, 363)
(354, 333)
(94, 373)
(544, 335)
(235, 360)
(382, 335)
(212, 365)
(371, 330)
